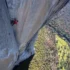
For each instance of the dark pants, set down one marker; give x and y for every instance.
(24, 65)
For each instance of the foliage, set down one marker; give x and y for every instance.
(45, 57)
(63, 53)
(39, 60)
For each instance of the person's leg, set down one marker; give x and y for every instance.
(24, 65)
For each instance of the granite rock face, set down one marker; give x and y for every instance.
(61, 22)
(8, 44)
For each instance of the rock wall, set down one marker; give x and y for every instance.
(61, 23)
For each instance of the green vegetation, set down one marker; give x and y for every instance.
(63, 53)
(38, 62)
(46, 56)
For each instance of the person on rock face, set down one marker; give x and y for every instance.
(22, 20)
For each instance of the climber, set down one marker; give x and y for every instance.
(25, 18)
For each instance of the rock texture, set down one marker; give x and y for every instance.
(8, 44)
(61, 22)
